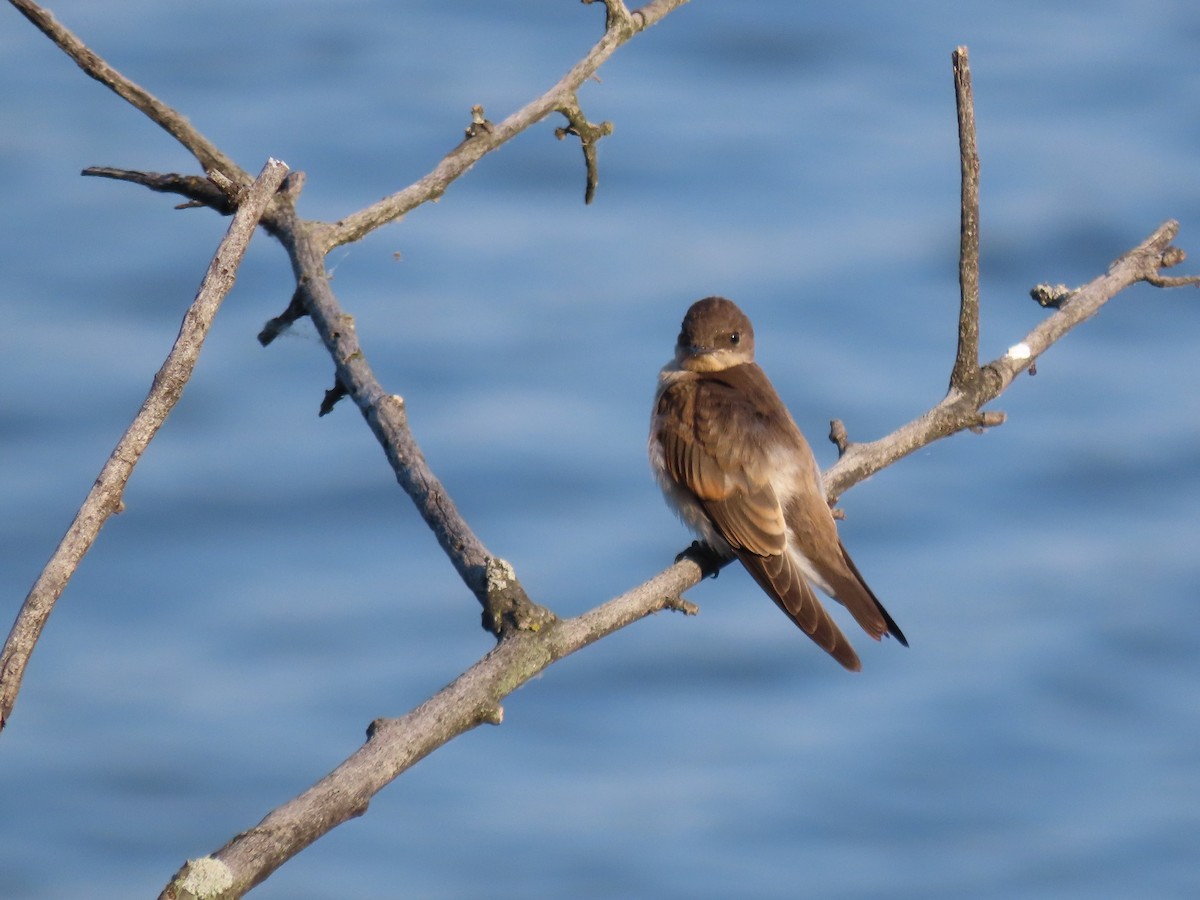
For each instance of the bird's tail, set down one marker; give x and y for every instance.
(786, 585)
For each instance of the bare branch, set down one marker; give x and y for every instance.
(505, 604)
(308, 242)
(620, 29)
(475, 697)
(104, 498)
(960, 410)
(531, 637)
(394, 745)
(206, 153)
(966, 362)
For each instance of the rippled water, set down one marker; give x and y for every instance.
(269, 590)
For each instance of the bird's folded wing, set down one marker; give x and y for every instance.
(733, 485)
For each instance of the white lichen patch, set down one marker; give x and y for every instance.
(1020, 351)
(206, 877)
(499, 574)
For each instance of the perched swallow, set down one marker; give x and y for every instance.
(734, 466)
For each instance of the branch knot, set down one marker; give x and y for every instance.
(1051, 296)
(507, 607)
(479, 124)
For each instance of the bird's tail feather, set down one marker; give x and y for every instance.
(792, 593)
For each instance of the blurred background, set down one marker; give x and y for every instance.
(269, 590)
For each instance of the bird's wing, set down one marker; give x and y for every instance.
(711, 449)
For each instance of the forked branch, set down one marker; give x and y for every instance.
(531, 637)
(491, 579)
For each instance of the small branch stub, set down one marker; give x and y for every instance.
(226, 186)
(282, 322)
(683, 605)
(202, 192)
(1172, 256)
(838, 436)
(988, 419)
(331, 398)
(480, 124)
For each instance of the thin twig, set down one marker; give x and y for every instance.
(966, 361)
(1164, 281)
(200, 190)
(104, 498)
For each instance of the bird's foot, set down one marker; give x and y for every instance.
(709, 561)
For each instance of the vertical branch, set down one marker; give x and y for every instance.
(966, 363)
(104, 498)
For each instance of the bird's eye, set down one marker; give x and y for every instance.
(735, 337)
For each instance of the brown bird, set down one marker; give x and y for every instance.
(734, 466)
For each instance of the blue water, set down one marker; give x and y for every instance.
(269, 590)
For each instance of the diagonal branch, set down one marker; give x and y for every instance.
(960, 411)
(205, 151)
(395, 745)
(489, 578)
(104, 498)
(620, 28)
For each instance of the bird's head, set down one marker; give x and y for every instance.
(715, 335)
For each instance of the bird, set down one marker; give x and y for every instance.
(735, 467)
